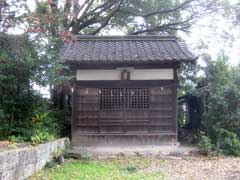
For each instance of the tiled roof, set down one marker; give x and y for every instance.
(129, 49)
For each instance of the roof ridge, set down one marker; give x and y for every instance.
(128, 37)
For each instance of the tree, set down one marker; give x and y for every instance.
(132, 16)
(17, 71)
(23, 62)
(219, 90)
(9, 14)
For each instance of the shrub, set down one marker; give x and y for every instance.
(205, 144)
(229, 142)
(40, 126)
(15, 139)
(41, 136)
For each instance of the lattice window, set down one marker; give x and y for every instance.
(123, 98)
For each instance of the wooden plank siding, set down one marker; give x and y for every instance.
(152, 126)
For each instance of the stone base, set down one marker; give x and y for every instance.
(160, 150)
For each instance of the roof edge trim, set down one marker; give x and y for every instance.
(127, 37)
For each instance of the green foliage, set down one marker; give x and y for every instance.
(219, 91)
(222, 96)
(40, 137)
(205, 145)
(17, 69)
(127, 22)
(24, 114)
(39, 126)
(128, 16)
(228, 142)
(18, 138)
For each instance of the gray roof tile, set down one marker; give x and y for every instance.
(111, 49)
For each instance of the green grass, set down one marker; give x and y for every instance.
(116, 169)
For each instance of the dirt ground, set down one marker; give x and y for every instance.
(3, 144)
(197, 168)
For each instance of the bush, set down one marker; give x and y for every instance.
(18, 138)
(228, 142)
(41, 136)
(205, 144)
(41, 125)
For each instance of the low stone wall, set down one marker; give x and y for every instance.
(18, 164)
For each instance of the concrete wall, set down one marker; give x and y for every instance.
(115, 74)
(152, 74)
(18, 164)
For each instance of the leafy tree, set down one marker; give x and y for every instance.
(130, 16)
(17, 69)
(24, 114)
(220, 92)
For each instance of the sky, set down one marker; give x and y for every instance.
(217, 34)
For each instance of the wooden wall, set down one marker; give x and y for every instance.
(93, 126)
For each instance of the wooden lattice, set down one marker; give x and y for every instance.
(124, 98)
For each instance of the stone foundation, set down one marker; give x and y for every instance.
(18, 164)
(128, 151)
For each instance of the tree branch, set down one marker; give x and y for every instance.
(107, 19)
(66, 11)
(159, 12)
(84, 13)
(169, 10)
(97, 18)
(102, 5)
(166, 27)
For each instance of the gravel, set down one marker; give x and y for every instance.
(197, 167)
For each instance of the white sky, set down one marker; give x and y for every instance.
(217, 33)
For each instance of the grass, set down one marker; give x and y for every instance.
(115, 169)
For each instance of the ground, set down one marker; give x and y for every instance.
(3, 144)
(147, 168)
